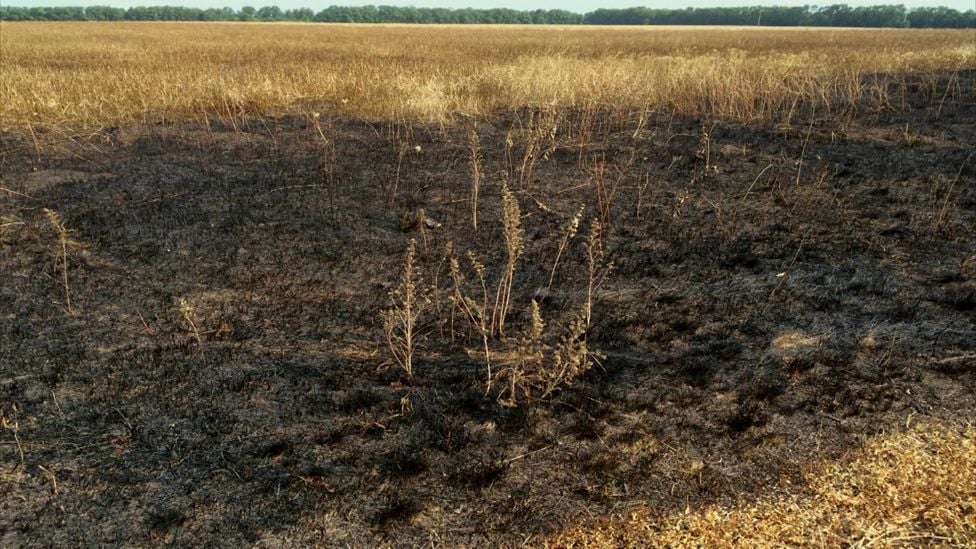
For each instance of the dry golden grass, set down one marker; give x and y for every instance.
(94, 74)
(915, 488)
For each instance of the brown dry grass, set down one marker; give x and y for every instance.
(95, 74)
(917, 487)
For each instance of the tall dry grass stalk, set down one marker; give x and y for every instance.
(605, 187)
(328, 161)
(943, 215)
(62, 254)
(474, 163)
(571, 357)
(188, 312)
(408, 300)
(539, 141)
(598, 268)
(520, 374)
(101, 74)
(514, 245)
(569, 231)
(474, 312)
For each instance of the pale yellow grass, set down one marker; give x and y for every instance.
(94, 74)
(913, 488)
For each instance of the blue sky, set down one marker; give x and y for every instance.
(572, 5)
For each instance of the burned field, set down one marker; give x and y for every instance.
(192, 336)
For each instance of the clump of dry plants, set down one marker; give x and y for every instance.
(408, 301)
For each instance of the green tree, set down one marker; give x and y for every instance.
(270, 13)
(104, 13)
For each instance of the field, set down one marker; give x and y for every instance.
(102, 75)
(290, 285)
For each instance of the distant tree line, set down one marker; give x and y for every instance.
(839, 15)
(827, 16)
(333, 14)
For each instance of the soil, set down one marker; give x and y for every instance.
(221, 375)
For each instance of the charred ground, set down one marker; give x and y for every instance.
(778, 296)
